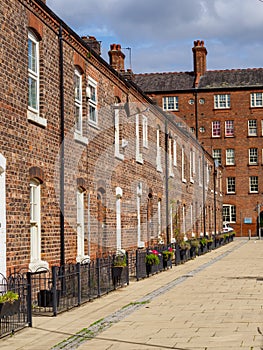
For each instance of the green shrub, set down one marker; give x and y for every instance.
(152, 259)
(167, 255)
(9, 297)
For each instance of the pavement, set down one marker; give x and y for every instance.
(212, 302)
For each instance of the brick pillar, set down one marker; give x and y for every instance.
(199, 52)
(93, 43)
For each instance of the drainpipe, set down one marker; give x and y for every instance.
(196, 114)
(204, 223)
(214, 178)
(166, 183)
(62, 163)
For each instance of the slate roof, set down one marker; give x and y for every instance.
(234, 78)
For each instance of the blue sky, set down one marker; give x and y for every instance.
(161, 33)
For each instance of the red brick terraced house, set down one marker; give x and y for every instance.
(88, 163)
(224, 110)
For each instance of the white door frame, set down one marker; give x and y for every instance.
(2, 215)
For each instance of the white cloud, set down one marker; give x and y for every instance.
(161, 34)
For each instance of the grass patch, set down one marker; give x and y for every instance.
(136, 303)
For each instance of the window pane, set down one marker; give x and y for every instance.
(257, 99)
(229, 125)
(78, 118)
(77, 83)
(92, 114)
(230, 156)
(216, 128)
(253, 183)
(252, 128)
(32, 56)
(32, 93)
(217, 155)
(253, 156)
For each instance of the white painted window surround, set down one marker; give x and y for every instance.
(118, 218)
(2, 215)
(117, 141)
(35, 227)
(81, 257)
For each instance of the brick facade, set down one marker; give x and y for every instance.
(196, 92)
(103, 176)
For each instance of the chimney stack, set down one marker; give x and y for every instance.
(116, 57)
(199, 52)
(93, 43)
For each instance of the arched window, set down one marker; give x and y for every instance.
(33, 73)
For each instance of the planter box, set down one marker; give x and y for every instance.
(45, 298)
(9, 309)
(167, 263)
(117, 272)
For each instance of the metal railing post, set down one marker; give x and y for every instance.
(29, 299)
(54, 290)
(79, 284)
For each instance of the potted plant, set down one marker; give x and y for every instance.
(203, 245)
(184, 247)
(195, 244)
(9, 304)
(150, 260)
(118, 265)
(167, 257)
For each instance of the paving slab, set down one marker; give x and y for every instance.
(212, 302)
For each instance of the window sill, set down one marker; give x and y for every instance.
(184, 181)
(93, 125)
(159, 168)
(119, 156)
(83, 259)
(139, 159)
(38, 265)
(36, 119)
(79, 138)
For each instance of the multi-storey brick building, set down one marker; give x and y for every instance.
(88, 163)
(224, 110)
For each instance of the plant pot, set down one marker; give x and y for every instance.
(148, 269)
(116, 274)
(9, 309)
(45, 298)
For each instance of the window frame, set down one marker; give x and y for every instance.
(222, 101)
(254, 99)
(174, 102)
(251, 184)
(219, 156)
(33, 74)
(232, 213)
(78, 101)
(230, 156)
(216, 129)
(231, 185)
(229, 128)
(252, 129)
(93, 101)
(253, 156)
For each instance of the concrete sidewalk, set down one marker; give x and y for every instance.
(212, 302)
